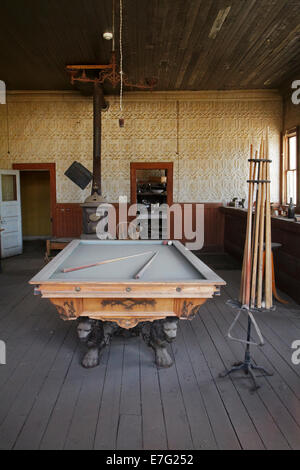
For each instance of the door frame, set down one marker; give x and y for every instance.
(51, 167)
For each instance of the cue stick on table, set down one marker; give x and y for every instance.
(145, 267)
(69, 270)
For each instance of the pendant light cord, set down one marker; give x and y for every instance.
(7, 125)
(121, 57)
(113, 27)
(177, 149)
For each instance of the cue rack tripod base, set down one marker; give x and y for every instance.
(256, 273)
(248, 365)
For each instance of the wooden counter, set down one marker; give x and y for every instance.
(286, 258)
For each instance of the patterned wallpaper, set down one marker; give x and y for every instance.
(206, 134)
(291, 114)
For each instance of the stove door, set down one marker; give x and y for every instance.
(10, 214)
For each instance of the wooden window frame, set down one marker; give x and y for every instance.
(52, 171)
(151, 166)
(293, 132)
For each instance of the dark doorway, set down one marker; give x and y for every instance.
(36, 204)
(50, 170)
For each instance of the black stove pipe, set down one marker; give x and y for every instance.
(97, 106)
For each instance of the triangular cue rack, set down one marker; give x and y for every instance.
(256, 281)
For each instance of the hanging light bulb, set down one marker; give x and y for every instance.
(108, 35)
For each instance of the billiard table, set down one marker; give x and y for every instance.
(174, 285)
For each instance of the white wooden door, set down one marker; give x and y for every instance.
(10, 213)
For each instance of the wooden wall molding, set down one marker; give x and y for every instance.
(67, 217)
(69, 223)
(204, 95)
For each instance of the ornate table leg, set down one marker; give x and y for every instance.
(96, 334)
(158, 335)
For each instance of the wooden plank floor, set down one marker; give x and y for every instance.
(48, 401)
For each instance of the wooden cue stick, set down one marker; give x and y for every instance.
(256, 232)
(246, 271)
(243, 285)
(268, 272)
(69, 270)
(261, 238)
(142, 271)
(251, 176)
(249, 248)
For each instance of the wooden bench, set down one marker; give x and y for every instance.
(56, 244)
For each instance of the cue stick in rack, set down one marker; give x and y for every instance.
(258, 248)
(142, 271)
(246, 271)
(261, 237)
(256, 227)
(113, 260)
(268, 246)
